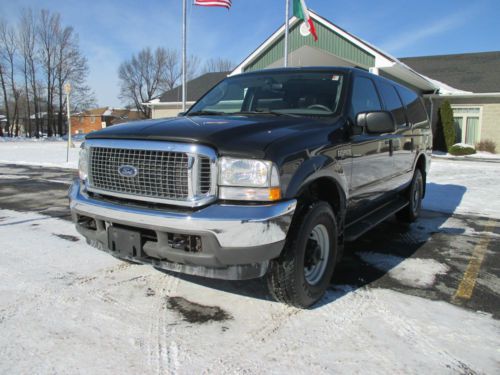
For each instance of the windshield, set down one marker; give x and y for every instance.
(294, 94)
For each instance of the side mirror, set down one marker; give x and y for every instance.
(376, 122)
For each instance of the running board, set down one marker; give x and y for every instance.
(357, 229)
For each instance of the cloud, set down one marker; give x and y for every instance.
(426, 32)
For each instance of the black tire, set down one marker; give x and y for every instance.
(414, 195)
(288, 279)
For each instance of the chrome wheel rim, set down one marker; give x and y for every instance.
(316, 255)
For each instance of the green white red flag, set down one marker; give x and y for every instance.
(300, 11)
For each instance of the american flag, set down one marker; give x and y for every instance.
(213, 3)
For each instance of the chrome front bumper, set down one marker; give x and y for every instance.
(231, 234)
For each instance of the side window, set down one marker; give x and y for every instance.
(392, 102)
(414, 106)
(364, 96)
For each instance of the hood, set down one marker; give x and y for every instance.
(243, 136)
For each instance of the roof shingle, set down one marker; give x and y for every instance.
(196, 88)
(476, 72)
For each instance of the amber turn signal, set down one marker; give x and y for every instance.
(274, 194)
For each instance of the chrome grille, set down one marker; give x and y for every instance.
(160, 174)
(164, 172)
(205, 177)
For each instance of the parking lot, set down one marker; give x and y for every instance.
(420, 298)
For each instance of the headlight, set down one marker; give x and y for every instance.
(83, 162)
(247, 179)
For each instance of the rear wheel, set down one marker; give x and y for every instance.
(414, 195)
(300, 276)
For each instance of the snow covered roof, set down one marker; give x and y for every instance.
(40, 115)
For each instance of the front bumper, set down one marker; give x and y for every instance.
(237, 241)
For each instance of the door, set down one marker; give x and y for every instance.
(372, 164)
(403, 145)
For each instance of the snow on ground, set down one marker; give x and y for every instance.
(484, 155)
(464, 187)
(413, 272)
(478, 155)
(44, 153)
(73, 309)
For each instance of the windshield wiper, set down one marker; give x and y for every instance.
(274, 113)
(205, 113)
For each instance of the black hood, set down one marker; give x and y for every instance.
(229, 135)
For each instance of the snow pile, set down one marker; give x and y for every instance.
(68, 308)
(32, 139)
(44, 153)
(413, 272)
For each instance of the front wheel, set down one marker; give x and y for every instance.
(414, 195)
(302, 273)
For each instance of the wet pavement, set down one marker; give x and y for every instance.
(453, 258)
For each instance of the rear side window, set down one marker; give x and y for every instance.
(392, 102)
(414, 107)
(364, 96)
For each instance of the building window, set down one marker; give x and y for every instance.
(92, 119)
(467, 124)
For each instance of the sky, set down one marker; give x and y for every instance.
(110, 31)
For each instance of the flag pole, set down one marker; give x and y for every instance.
(287, 16)
(184, 55)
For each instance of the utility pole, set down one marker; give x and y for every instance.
(67, 90)
(287, 31)
(184, 53)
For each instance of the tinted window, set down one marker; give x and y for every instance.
(392, 102)
(364, 96)
(414, 107)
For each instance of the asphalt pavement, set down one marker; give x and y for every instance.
(455, 258)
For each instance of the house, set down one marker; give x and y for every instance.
(474, 94)
(169, 104)
(98, 118)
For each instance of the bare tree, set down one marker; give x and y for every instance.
(5, 97)
(218, 65)
(145, 76)
(27, 43)
(49, 26)
(9, 56)
(71, 67)
(149, 74)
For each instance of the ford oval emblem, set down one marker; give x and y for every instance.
(127, 171)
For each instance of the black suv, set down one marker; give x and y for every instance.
(269, 173)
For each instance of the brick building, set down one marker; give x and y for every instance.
(100, 118)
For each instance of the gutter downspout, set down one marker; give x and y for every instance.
(432, 106)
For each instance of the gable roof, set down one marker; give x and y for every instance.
(476, 72)
(196, 88)
(381, 60)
